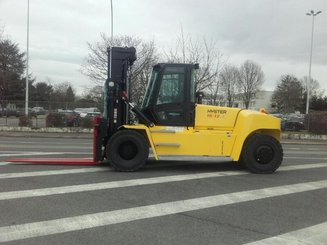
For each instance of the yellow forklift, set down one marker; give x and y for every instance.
(172, 121)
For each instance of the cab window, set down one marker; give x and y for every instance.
(172, 86)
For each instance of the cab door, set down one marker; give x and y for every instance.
(170, 100)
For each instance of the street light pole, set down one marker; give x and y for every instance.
(313, 14)
(27, 57)
(112, 21)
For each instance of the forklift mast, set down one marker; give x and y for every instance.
(116, 90)
(117, 87)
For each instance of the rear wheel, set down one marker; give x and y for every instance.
(127, 150)
(262, 154)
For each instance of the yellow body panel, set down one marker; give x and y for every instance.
(218, 131)
(215, 117)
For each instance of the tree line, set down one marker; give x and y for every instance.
(220, 80)
(13, 80)
(290, 95)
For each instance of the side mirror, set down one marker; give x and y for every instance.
(199, 95)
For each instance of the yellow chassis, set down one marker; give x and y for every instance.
(218, 131)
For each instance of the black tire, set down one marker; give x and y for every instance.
(127, 150)
(261, 154)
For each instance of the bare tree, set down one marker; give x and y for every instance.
(315, 89)
(93, 95)
(250, 80)
(214, 90)
(1, 32)
(96, 63)
(203, 52)
(214, 93)
(147, 57)
(229, 83)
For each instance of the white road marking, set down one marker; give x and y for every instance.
(302, 149)
(313, 149)
(307, 158)
(302, 166)
(56, 226)
(46, 146)
(52, 142)
(29, 154)
(311, 235)
(111, 185)
(52, 172)
(134, 182)
(4, 163)
(15, 154)
(306, 152)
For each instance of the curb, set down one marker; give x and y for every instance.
(46, 132)
(302, 142)
(304, 136)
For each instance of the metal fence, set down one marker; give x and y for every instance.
(9, 108)
(12, 111)
(315, 122)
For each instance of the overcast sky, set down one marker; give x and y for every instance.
(274, 33)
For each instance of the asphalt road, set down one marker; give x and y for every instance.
(205, 201)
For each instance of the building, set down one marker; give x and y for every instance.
(10, 107)
(261, 100)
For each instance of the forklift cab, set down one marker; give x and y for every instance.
(169, 99)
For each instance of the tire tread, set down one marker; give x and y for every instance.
(142, 144)
(247, 152)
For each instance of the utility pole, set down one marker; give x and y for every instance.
(27, 57)
(112, 21)
(313, 14)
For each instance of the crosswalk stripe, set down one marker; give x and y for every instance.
(29, 153)
(134, 182)
(15, 154)
(50, 142)
(52, 172)
(97, 169)
(111, 185)
(302, 166)
(311, 235)
(306, 152)
(45, 146)
(56, 226)
(307, 158)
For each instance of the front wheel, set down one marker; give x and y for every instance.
(261, 154)
(127, 150)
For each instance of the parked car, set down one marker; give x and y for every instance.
(90, 114)
(292, 126)
(278, 115)
(7, 113)
(21, 112)
(71, 119)
(39, 110)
